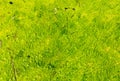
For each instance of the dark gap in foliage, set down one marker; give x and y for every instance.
(51, 66)
(73, 9)
(66, 8)
(11, 2)
(28, 56)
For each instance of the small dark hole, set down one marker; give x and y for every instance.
(73, 9)
(66, 8)
(28, 56)
(11, 2)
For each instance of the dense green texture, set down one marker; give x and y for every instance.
(60, 40)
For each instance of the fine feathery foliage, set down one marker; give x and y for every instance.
(59, 40)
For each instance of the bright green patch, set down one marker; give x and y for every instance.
(59, 40)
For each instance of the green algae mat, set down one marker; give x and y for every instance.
(59, 40)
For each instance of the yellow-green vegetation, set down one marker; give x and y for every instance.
(59, 40)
